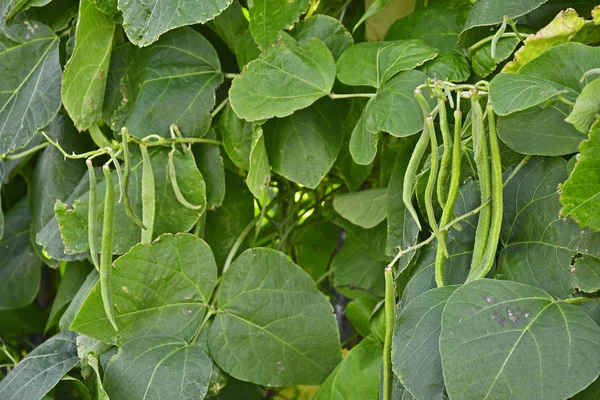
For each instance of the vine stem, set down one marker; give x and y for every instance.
(229, 75)
(350, 95)
(25, 153)
(219, 107)
(74, 156)
(389, 330)
(156, 140)
(488, 39)
(402, 252)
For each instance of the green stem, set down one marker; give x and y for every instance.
(107, 247)
(350, 95)
(488, 39)
(98, 137)
(74, 156)
(25, 153)
(156, 140)
(390, 305)
(430, 186)
(126, 172)
(441, 189)
(209, 314)
(228, 75)
(219, 107)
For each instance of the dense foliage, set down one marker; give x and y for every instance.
(299, 199)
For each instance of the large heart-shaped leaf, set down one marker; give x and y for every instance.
(293, 340)
(268, 17)
(286, 77)
(259, 172)
(356, 376)
(538, 244)
(157, 289)
(395, 110)
(415, 347)
(504, 339)
(363, 144)
(304, 146)
(580, 194)
(29, 82)
(374, 63)
(171, 82)
(20, 269)
(85, 74)
(586, 107)
(159, 367)
(327, 29)
(37, 373)
(145, 20)
(171, 217)
(237, 137)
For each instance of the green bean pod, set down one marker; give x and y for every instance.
(390, 319)
(107, 246)
(126, 172)
(485, 188)
(93, 203)
(415, 160)
(433, 170)
(497, 202)
(148, 196)
(448, 211)
(446, 163)
(173, 178)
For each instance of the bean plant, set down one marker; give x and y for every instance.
(299, 199)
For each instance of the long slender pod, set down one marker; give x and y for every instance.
(148, 196)
(126, 173)
(173, 177)
(390, 317)
(117, 165)
(497, 202)
(433, 170)
(446, 162)
(485, 188)
(93, 203)
(108, 227)
(415, 160)
(448, 211)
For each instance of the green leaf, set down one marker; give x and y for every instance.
(363, 144)
(210, 164)
(304, 146)
(538, 244)
(237, 137)
(540, 131)
(356, 376)
(395, 110)
(259, 173)
(268, 17)
(491, 12)
(586, 107)
(119, 63)
(57, 14)
(438, 25)
(171, 82)
(365, 208)
(20, 269)
(294, 340)
(359, 311)
(375, 63)
(54, 178)
(83, 292)
(170, 301)
(561, 30)
(145, 21)
(580, 195)
(106, 6)
(224, 225)
(233, 28)
(327, 29)
(286, 77)
(84, 79)
(357, 274)
(70, 282)
(161, 366)
(21, 321)
(30, 82)
(171, 216)
(41, 369)
(415, 346)
(505, 338)
(482, 61)
(314, 244)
